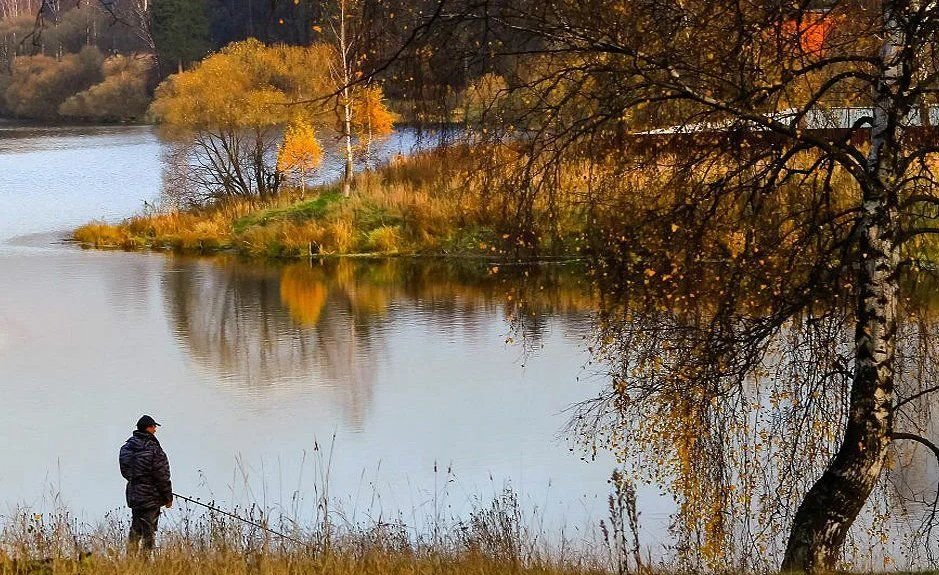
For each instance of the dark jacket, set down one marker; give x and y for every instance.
(147, 470)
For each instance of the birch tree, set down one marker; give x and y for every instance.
(735, 144)
(352, 29)
(344, 73)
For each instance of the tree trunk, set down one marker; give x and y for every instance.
(821, 523)
(820, 526)
(346, 62)
(368, 141)
(349, 171)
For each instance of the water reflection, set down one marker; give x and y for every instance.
(737, 413)
(327, 324)
(404, 361)
(21, 139)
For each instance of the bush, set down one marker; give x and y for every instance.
(40, 84)
(121, 96)
(342, 236)
(384, 239)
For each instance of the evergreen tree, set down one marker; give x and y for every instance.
(180, 32)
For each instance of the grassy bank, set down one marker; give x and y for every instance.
(493, 539)
(333, 563)
(413, 206)
(178, 556)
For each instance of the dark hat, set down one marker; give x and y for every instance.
(145, 422)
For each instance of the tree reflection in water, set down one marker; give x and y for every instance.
(736, 448)
(328, 323)
(738, 428)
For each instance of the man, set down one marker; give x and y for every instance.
(147, 470)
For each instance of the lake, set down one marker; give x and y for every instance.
(425, 386)
(428, 381)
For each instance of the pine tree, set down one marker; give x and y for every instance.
(180, 32)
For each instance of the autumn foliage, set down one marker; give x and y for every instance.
(122, 95)
(371, 119)
(245, 85)
(243, 139)
(300, 152)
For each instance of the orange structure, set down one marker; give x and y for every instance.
(811, 31)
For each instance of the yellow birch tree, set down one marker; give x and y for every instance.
(300, 153)
(371, 118)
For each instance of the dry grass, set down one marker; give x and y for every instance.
(102, 235)
(313, 533)
(415, 205)
(276, 562)
(493, 539)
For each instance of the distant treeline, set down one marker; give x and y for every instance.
(101, 60)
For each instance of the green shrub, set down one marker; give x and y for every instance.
(384, 239)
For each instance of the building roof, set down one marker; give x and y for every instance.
(840, 118)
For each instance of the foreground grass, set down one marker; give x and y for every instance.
(495, 538)
(413, 206)
(273, 562)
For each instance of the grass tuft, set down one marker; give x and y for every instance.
(102, 235)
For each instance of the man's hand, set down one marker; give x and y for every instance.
(169, 503)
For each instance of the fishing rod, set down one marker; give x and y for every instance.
(239, 518)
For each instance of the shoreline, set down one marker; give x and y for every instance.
(412, 207)
(166, 250)
(13, 123)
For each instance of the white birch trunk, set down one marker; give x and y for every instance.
(822, 521)
(346, 102)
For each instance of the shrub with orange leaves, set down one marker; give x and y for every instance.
(371, 116)
(300, 153)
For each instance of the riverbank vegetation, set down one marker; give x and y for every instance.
(415, 205)
(496, 537)
(77, 66)
(38, 39)
(81, 86)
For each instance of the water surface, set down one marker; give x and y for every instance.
(433, 384)
(438, 381)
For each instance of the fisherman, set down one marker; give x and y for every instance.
(147, 470)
